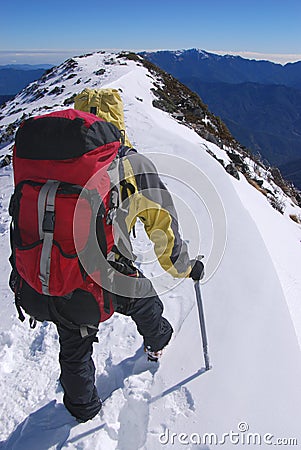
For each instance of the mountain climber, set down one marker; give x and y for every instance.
(139, 193)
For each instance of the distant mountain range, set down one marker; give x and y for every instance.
(212, 68)
(27, 66)
(13, 78)
(259, 101)
(265, 118)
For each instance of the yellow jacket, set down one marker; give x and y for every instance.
(147, 198)
(142, 193)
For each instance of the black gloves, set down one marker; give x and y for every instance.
(197, 271)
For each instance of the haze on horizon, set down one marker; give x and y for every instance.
(56, 57)
(50, 33)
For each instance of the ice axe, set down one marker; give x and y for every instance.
(202, 321)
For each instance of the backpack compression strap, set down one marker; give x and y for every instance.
(46, 217)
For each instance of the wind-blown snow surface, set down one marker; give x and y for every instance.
(251, 306)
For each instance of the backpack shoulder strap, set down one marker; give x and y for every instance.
(124, 150)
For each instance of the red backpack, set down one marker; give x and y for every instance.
(54, 157)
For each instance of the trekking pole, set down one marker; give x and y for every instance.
(202, 323)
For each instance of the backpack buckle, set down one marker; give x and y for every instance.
(48, 222)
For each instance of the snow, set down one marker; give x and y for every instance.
(251, 298)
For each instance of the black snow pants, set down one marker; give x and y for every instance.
(78, 373)
(77, 367)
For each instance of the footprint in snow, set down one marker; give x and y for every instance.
(114, 376)
(134, 416)
(180, 402)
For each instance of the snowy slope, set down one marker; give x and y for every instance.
(250, 295)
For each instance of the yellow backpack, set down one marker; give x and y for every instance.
(104, 103)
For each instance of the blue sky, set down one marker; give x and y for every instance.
(38, 31)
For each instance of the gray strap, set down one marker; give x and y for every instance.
(41, 205)
(45, 260)
(121, 235)
(84, 330)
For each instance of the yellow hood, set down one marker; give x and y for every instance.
(104, 103)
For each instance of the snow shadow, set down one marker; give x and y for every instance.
(114, 376)
(41, 430)
(179, 385)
